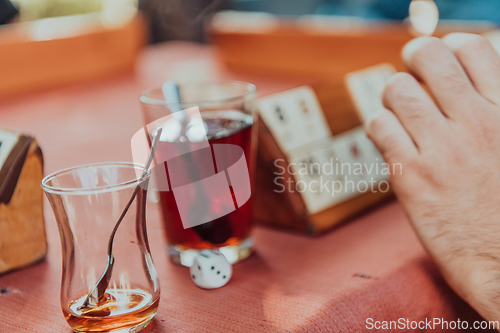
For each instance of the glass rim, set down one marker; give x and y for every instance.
(251, 89)
(100, 189)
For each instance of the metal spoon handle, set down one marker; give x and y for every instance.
(156, 138)
(97, 293)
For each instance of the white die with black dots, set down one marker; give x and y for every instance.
(211, 270)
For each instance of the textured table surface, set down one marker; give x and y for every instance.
(372, 267)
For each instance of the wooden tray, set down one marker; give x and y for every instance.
(58, 51)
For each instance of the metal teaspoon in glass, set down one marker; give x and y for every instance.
(97, 293)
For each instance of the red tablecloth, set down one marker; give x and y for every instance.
(373, 267)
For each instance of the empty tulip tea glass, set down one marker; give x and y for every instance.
(87, 202)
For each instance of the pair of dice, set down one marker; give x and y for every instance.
(210, 270)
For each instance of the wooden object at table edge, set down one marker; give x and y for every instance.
(311, 54)
(290, 50)
(22, 230)
(32, 64)
(288, 210)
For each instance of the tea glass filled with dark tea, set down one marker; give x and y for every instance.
(204, 166)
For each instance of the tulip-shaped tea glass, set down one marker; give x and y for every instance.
(87, 202)
(208, 143)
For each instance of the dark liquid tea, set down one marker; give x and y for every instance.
(223, 127)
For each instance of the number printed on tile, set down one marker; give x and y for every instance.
(361, 161)
(315, 172)
(294, 117)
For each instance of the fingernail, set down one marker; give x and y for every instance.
(412, 46)
(457, 39)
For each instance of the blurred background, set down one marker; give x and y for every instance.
(48, 43)
(184, 19)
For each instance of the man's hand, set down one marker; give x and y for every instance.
(449, 145)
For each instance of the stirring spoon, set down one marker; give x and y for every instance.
(217, 231)
(97, 293)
